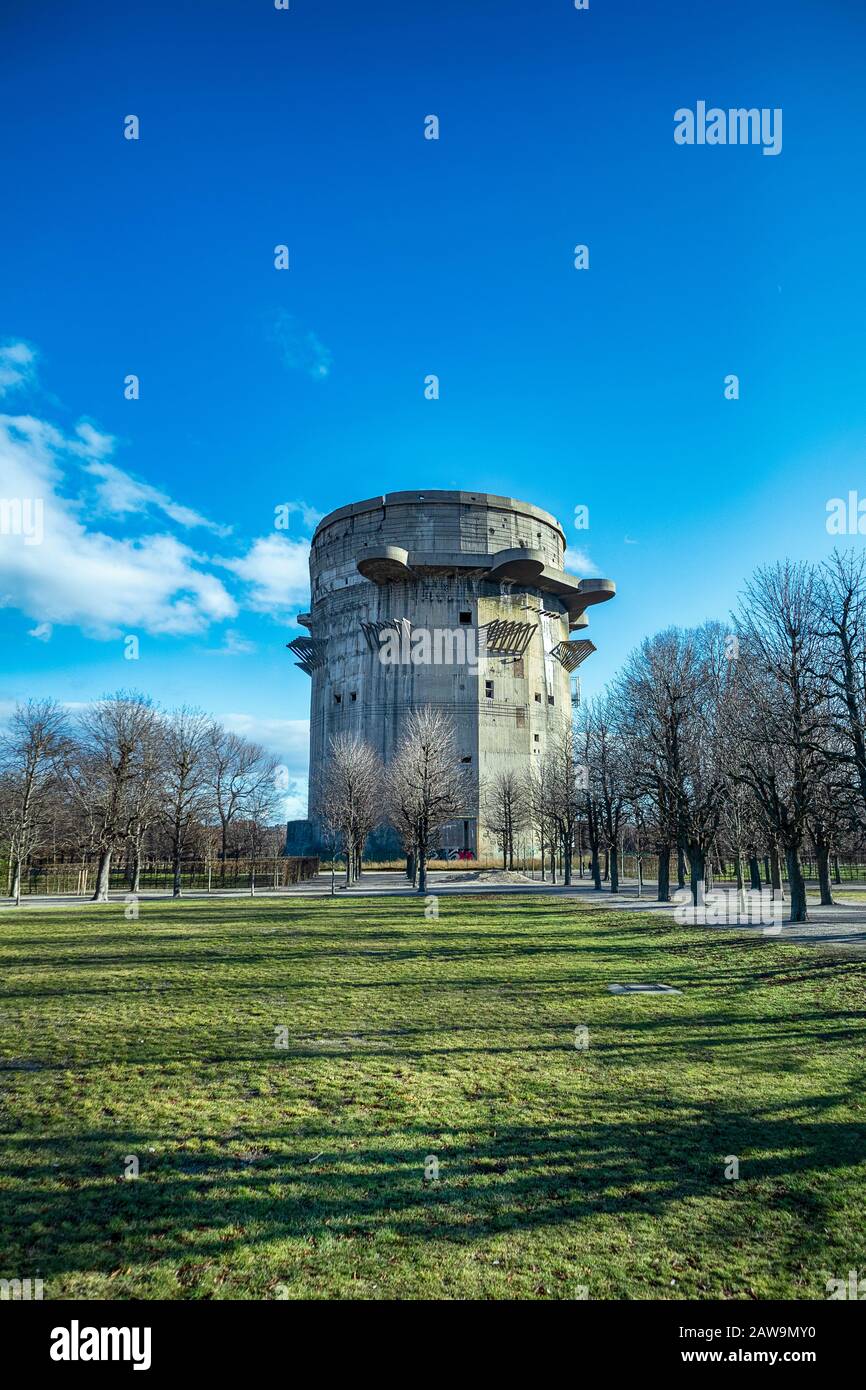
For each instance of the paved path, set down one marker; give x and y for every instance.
(841, 925)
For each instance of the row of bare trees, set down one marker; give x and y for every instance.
(123, 776)
(749, 741)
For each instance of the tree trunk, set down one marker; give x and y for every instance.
(410, 867)
(741, 882)
(16, 882)
(664, 874)
(823, 852)
(776, 872)
(797, 886)
(614, 871)
(681, 867)
(767, 876)
(422, 869)
(176, 886)
(697, 869)
(754, 873)
(595, 870)
(566, 860)
(102, 877)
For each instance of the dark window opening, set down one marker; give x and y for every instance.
(488, 689)
(535, 737)
(466, 617)
(338, 699)
(550, 700)
(466, 760)
(537, 698)
(354, 695)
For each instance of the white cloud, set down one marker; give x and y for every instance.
(119, 494)
(296, 799)
(233, 645)
(580, 563)
(17, 366)
(309, 515)
(277, 571)
(42, 632)
(84, 577)
(93, 444)
(287, 739)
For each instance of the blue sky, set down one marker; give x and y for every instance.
(409, 257)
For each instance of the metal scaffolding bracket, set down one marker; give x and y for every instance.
(571, 654)
(313, 653)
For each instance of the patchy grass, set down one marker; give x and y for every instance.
(300, 1172)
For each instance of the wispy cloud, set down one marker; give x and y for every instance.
(287, 739)
(120, 494)
(310, 517)
(233, 645)
(300, 349)
(17, 366)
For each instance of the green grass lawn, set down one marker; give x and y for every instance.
(299, 1172)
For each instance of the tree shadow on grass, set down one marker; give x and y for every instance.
(66, 1207)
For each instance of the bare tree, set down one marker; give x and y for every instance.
(101, 768)
(608, 780)
(565, 787)
(785, 726)
(29, 750)
(537, 795)
(840, 592)
(350, 796)
(143, 795)
(184, 785)
(426, 784)
(505, 811)
(670, 701)
(238, 772)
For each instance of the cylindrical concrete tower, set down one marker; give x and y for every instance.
(452, 599)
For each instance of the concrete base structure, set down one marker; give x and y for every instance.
(452, 599)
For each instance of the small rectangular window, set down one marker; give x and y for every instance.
(466, 617)
(354, 695)
(550, 700)
(535, 737)
(338, 699)
(537, 698)
(466, 760)
(488, 689)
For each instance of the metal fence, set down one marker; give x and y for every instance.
(79, 879)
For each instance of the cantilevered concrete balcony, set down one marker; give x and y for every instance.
(388, 564)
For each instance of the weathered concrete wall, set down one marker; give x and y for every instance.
(431, 558)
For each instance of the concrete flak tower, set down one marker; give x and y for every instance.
(457, 600)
